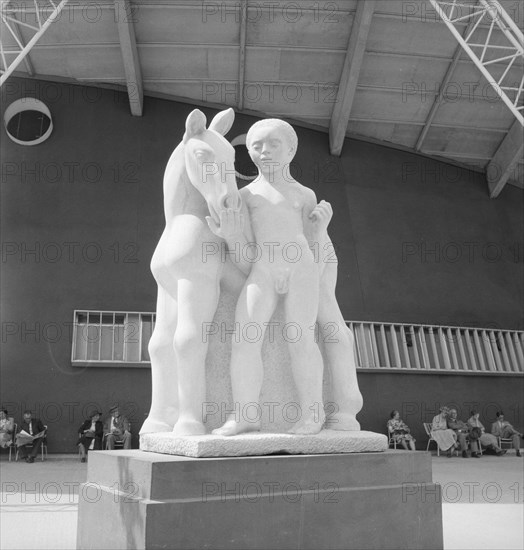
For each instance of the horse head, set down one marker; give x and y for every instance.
(210, 160)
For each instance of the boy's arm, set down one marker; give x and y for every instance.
(310, 202)
(315, 219)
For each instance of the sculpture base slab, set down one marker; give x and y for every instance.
(140, 500)
(259, 443)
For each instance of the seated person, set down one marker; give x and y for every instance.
(90, 434)
(502, 428)
(446, 439)
(462, 431)
(7, 426)
(32, 427)
(486, 440)
(399, 431)
(117, 427)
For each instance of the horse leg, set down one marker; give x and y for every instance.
(164, 401)
(339, 346)
(197, 304)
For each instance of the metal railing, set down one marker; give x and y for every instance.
(438, 348)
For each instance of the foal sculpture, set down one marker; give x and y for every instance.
(199, 181)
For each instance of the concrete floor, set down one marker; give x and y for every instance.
(482, 502)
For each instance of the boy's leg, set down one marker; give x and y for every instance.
(255, 306)
(301, 307)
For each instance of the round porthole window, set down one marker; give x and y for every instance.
(28, 121)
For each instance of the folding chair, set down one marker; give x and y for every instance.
(11, 446)
(427, 427)
(479, 445)
(390, 438)
(505, 440)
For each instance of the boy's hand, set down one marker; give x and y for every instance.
(231, 224)
(321, 216)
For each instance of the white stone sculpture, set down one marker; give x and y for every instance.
(280, 218)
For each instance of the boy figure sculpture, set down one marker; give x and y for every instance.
(285, 221)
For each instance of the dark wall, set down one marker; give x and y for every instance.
(418, 398)
(418, 241)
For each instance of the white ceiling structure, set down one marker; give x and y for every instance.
(385, 70)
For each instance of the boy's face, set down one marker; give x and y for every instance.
(269, 149)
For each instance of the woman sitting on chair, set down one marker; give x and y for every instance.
(399, 432)
(7, 426)
(90, 434)
(446, 439)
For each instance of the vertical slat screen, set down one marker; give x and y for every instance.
(396, 351)
(123, 337)
(405, 347)
(385, 348)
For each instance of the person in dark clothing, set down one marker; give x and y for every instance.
(90, 434)
(25, 439)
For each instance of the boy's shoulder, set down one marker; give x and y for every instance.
(306, 192)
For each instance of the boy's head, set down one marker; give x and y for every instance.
(281, 127)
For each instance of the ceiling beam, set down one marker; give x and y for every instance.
(242, 56)
(350, 73)
(505, 160)
(133, 72)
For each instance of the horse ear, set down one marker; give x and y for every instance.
(222, 122)
(195, 124)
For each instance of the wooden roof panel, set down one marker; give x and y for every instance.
(374, 104)
(293, 27)
(402, 134)
(287, 100)
(462, 141)
(405, 36)
(78, 62)
(189, 62)
(90, 24)
(190, 24)
(477, 113)
(401, 71)
(320, 67)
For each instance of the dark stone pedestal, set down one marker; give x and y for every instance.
(137, 500)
